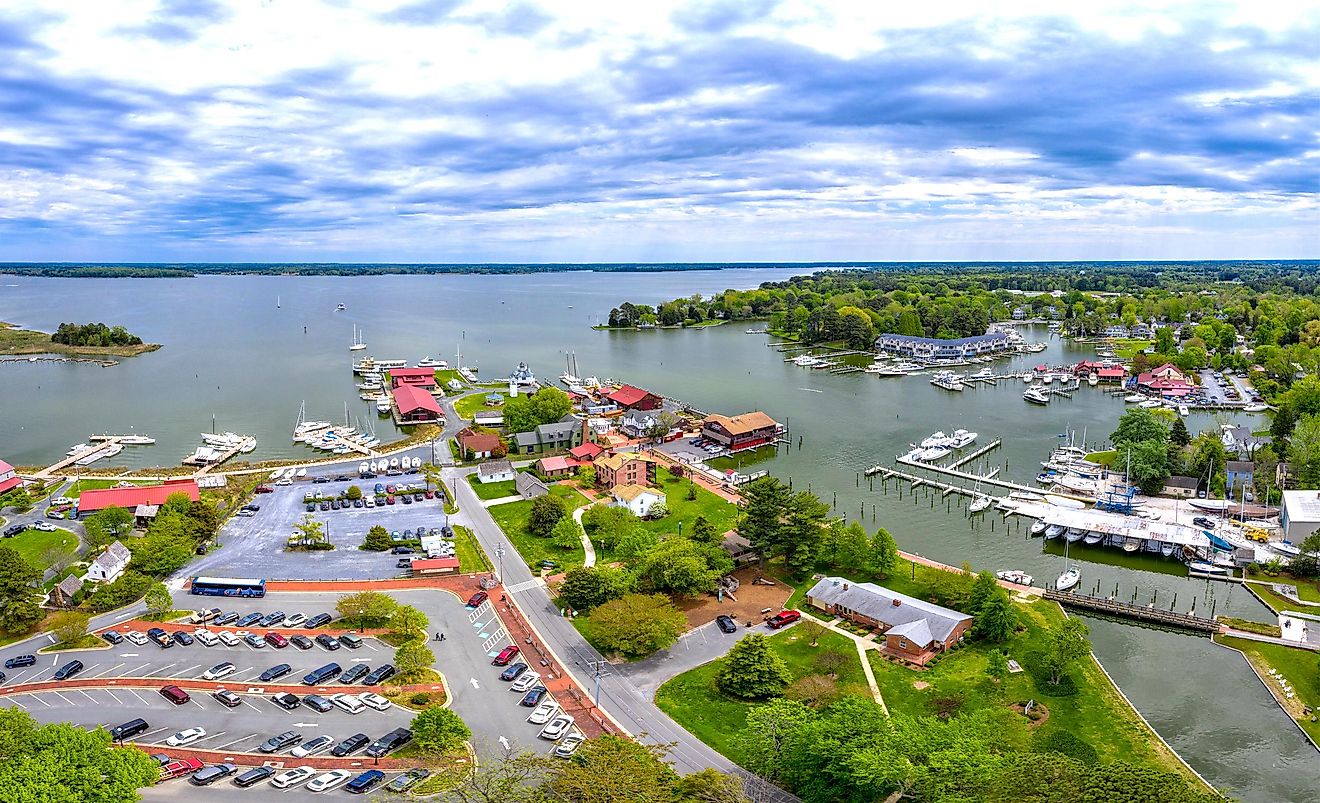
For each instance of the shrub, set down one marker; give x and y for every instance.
(1066, 743)
(420, 698)
(1037, 665)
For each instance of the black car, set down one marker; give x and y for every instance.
(248, 619)
(273, 618)
(183, 638)
(325, 506)
(20, 661)
(407, 500)
(320, 480)
(365, 782)
(334, 504)
(68, 670)
(301, 642)
(112, 637)
(209, 775)
(3, 677)
(14, 530)
(402, 550)
(281, 742)
(380, 674)
(226, 618)
(1202, 521)
(343, 478)
(254, 776)
(390, 742)
(328, 641)
(350, 745)
(513, 671)
(277, 671)
(368, 475)
(319, 620)
(354, 673)
(726, 624)
(317, 703)
(533, 696)
(253, 508)
(161, 637)
(311, 507)
(286, 701)
(227, 698)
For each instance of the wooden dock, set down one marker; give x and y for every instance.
(984, 450)
(989, 479)
(100, 445)
(1128, 610)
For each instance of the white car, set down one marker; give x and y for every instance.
(347, 702)
(294, 619)
(543, 712)
(44, 526)
(230, 639)
(312, 746)
(569, 745)
(61, 500)
(136, 637)
(524, 682)
(556, 728)
(206, 638)
(373, 700)
(219, 671)
(330, 780)
(292, 777)
(185, 737)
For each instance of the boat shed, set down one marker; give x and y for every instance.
(416, 406)
(1300, 515)
(130, 497)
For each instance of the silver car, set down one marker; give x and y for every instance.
(556, 728)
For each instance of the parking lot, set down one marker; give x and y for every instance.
(253, 546)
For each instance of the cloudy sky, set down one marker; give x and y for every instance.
(776, 130)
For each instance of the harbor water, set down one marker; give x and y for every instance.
(229, 351)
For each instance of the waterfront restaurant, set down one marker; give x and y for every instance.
(416, 406)
(417, 377)
(633, 398)
(739, 432)
(931, 348)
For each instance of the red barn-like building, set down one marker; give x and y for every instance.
(634, 398)
(420, 377)
(128, 498)
(416, 406)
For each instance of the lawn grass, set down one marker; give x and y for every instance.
(1105, 458)
(694, 701)
(443, 375)
(1297, 666)
(1125, 348)
(1305, 591)
(717, 510)
(32, 544)
(467, 406)
(1096, 714)
(512, 518)
(87, 484)
(491, 490)
(471, 557)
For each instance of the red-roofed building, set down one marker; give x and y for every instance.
(129, 498)
(633, 398)
(558, 466)
(429, 567)
(1166, 380)
(1111, 373)
(478, 444)
(421, 377)
(586, 452)
(9, 479)
(416, 406)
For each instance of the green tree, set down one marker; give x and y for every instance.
(377, 540)
(608, 525)
(438, 730)
(636, 625)
(1164, 341)
(803, 531)
(637, 543)
(586, 476)
(411, 659)
(546, 512)
(681, 566)
(770, 727)
(366, 606)
(765, 502)
(158, 600)
(410, 623)
(997, 668)
(18, 607)
(309, 531)
(104, 526)
(884, 552)
(1137, 426)
(997, 618)
(566, 534)
(64, 762)
(69, 626)
(610, 769)
(704, 532)
(1067, 643)
(984, 586)
(1304, 451)
(752, 671)
(585, 587)
(853, 550)
(1179, 436)
(545, 406)
(353, 492)
(1149, 465)
(710, 786)
(1208, 457)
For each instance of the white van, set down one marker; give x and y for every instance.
(348, 703)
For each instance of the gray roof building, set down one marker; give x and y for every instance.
(529, 486)
(494, 468)
(922, 621)
(559, 436)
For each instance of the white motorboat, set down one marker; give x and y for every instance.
(979, 504)
(807, 361)
(383, 404)
(394, 462)
(1026, 496)
(984, 373)
(427, 362)
(417, 462)
(340, 308)
(136, 440)
(1151, 404)
(1166, 548)
(947, 380)
(1075, 484)
(111, 450)
(933, 453)
(1093, 380)
(1038, 528)
(1092, 539)
(1255, 408)
(1073, 535)
(1063, 501)
(75, 449)
(302, 472)
(1134, 398)
(1036, 395)
(1053, 531)
(1184, 410)
(1068, 579)
(961, 438)
(1015, 576)
(933, 440)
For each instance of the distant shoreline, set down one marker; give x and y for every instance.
(15, 340)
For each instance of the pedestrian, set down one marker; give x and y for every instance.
(442, 636)
(437, 636)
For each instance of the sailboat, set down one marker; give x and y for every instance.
(1071, 576)
(277, 302)
(357, 345)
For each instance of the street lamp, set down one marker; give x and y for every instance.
(499, 556)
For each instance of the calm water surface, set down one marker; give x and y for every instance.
(230, 352)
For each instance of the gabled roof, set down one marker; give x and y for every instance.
(1239, 466)
(70, 585)
(917, 631)
(631, 491)
(742, 424)
(413, 373)
(887, 606)
(114, 558)
(556, 463)
(618, 460)
(494, 467)
(478, 441)
(525, 482)
(1181, 482)
(587, 451)
(129, 498)
(628, 395)
(411, 398)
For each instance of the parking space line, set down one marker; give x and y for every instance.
(236, 741)
(250, 705)
(15, 702)
(139, 697)
(367, 644)
(161, 669)
(154, 732)
(212, 736)
(90, 698)
(113, 697)
(17, 675)
(105, 671)
(189, 669)
(61, 696)
(41, 700)
(130, 673)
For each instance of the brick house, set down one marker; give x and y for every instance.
(913, 629)
(625, 468)
(476, 445)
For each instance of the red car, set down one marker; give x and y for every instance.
(506, 655)
(264, 489)
(477, 598)
(389, 500)
(276, 640)
(783, 618)
(179, 767)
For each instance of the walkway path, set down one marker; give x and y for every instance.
(862, 645)
(501, 500)
(587, 547)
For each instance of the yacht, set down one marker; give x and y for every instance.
(1151, 404)
(427, 362)
(1255, 408)
(340, 308)
(1183, 410)
(1073, 534)
(1093, 539)
(1068, 579)
(1015, 576)
(1036, 395)
(984, 373)
(383, 404)
(961, 438)
(137, 440)
(935, 439)
(387, 364)
(933, 453)
(1134, 398)
(75, 449)
(947, 380)
(808, 361)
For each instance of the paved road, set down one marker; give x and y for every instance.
(694, 648)
(629, 704)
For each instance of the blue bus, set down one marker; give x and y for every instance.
(228, 587)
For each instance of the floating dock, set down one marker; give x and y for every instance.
(969, 477)
(1128, 610)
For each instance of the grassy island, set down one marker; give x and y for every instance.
(75, 340)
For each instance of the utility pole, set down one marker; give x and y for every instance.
(597, 674)
(499, 556)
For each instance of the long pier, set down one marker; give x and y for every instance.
(965, 459)
(1128, 610)
(968, 476)
(101, 444)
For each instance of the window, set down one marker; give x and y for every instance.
(902, 644)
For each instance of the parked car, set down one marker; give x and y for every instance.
(317, 703)
(286, 701)
(206, 638)
(293, 777)
(513, 671)
(219, 670)
(254, 641)
(347, 702)
(533, 696)
(294, 620)
(275, 672)
(556, 728)
(227, 698)
(328, 641)
(379, 675)
(322, 674)
(390, 742)
(373, 700)
(178, 768)
(185, 639)
(312, 746)
(140, 639)
(365, 782)
(272, 619)
(185, 737)
(354, 673)
(477, 598)
(350, 641)
(351, 745)
(253, 776)
(408, 780)
(248, 620)
(544, 712)
(524, 682)
(161, 637)
(229, 617)
(276, 640)
(229, 638)
(112, 637)
(319, 620)
(20, 661)
(330, 780)
(505, 656)
(301, 642)
(209, 775)
(68, 670)
(129, 729)
(264, 489)
(569, 745)
(726, 624)
(279, 742)
(783, 618)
